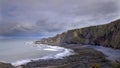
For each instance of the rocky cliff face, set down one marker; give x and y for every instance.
(106, 35)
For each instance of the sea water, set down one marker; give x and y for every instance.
(21, 51)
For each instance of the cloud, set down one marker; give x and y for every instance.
(49, 17)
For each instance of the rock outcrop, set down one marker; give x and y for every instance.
(6, 65)
(105, 35)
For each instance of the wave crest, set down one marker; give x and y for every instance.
(64, 52)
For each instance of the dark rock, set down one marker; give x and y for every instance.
(6, 65)
(84, 58)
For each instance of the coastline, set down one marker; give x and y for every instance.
(84, 58)
(64, 52)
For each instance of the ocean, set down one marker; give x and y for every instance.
(21, 51)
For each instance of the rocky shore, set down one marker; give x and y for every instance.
(83, 58)
(6, 65)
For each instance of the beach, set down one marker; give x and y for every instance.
(84, 57)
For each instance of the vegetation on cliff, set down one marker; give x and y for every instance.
(106, 35)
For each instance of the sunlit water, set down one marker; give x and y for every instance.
(20, 51)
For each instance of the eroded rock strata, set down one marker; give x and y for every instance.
(107, 35)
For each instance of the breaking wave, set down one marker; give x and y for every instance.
(63, 53)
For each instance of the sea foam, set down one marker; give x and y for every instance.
(63, 53)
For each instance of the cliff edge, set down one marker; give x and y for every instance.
(107, 35)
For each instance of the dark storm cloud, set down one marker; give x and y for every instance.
(49, 17)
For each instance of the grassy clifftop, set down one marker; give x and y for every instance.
(106, 35)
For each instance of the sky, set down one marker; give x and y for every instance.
(50, 17)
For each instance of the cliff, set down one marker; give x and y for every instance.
(105, 35)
